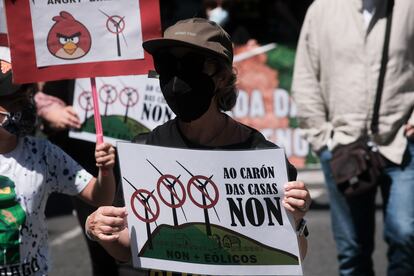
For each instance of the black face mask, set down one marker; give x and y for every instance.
(20, 123)
(186, 88)
(189, 97)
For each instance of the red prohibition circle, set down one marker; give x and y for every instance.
(130, 101)
(103, 93)
(113, 21)
(161, 181)
(192, 182)
(155, 215)
(87, 96)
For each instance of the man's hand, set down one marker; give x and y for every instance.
(409, 131)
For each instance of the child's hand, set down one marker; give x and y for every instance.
(105, 156)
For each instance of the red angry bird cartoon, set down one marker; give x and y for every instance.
(68, 38)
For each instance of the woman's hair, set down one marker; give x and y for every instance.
(21, 97)
(226, 96)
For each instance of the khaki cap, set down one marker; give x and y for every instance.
(196, 33)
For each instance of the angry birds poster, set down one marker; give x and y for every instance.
(84, 31)
(54, 39)
(68, 38)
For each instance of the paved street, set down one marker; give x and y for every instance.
(70, 256)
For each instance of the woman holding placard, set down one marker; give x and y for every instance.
(194, 63)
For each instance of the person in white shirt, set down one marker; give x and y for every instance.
(335, 82)
(31, 169)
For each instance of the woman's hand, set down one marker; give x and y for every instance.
(297, 199)
(61, 118)
(105, 223)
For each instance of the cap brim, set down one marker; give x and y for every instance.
(153, 46)
(7, 87)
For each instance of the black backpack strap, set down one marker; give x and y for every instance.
(383, 69)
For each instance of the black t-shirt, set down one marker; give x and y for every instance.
(169, 135)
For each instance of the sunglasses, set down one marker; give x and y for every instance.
(168, 64)
(10, 116)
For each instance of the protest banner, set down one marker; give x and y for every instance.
(53, 40)
(264, 101)
(129, 105)
(222, 219)
(3, 28)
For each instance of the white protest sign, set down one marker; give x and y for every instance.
(129, 105)
(208, 212)
(69, 32)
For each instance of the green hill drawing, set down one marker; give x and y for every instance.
(115, 127)
(189, 243)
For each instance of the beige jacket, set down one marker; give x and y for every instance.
(336, 74)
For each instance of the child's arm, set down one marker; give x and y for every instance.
(100, 191)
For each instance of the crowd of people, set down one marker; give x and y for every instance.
(353, 81)
(198, 83)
